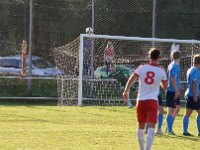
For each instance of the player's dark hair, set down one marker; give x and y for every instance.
(196, 59)
(154, 53)
(176, 55)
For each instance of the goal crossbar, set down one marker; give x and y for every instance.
(139, 38)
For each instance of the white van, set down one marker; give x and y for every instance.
(12, 65)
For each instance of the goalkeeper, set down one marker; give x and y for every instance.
(121, 75)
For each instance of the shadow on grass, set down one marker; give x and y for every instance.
(28, 119)
(106, 108)
(35, 102)
(192, 138)
(66, 111)
(117, 110)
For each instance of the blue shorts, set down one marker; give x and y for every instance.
(191, 104)
(170, 99)
(160, 100)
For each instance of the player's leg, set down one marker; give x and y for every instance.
(160, 120)
(170, 109)
(146, 128)
(160, 116)
(152, 110)
(107, 67)
(140, 135)
(186, 121)
(177, 108)
(198, 121)
(150, 135)
(142, 117)
(189, 108)
(198, 116)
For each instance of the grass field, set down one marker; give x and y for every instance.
(34, 127)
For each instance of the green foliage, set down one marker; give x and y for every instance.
(19, 88)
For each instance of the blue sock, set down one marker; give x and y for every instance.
(185, 124)
(160, 120)
(198, 123)
(173, 120)
(169, 120)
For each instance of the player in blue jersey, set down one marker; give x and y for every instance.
(173, 93)
(192, 93)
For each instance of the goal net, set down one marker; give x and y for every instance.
(98, 66)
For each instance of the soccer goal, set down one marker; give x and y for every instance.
(98, 66)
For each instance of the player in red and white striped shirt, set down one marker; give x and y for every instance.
(109, 55)
(150, 76)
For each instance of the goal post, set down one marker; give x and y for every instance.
(80, 87)
(89, 78)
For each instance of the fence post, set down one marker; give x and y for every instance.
(30, 47)
(62, 91)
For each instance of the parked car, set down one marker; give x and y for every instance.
(12, 65)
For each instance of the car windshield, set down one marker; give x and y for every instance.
(39, 63)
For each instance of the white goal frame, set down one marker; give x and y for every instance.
(93, 36)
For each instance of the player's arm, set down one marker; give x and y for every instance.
(194, 90)
(199, 91)
(164, 84)
(174, 72)
(129, 84)
(164, 81)
(175, 87)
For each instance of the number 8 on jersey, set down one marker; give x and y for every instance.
(149, 79)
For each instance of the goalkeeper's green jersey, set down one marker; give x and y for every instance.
(120, 75)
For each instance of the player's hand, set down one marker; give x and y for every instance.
(125, 96)
(195, 99)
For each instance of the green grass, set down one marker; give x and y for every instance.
(34, 127)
